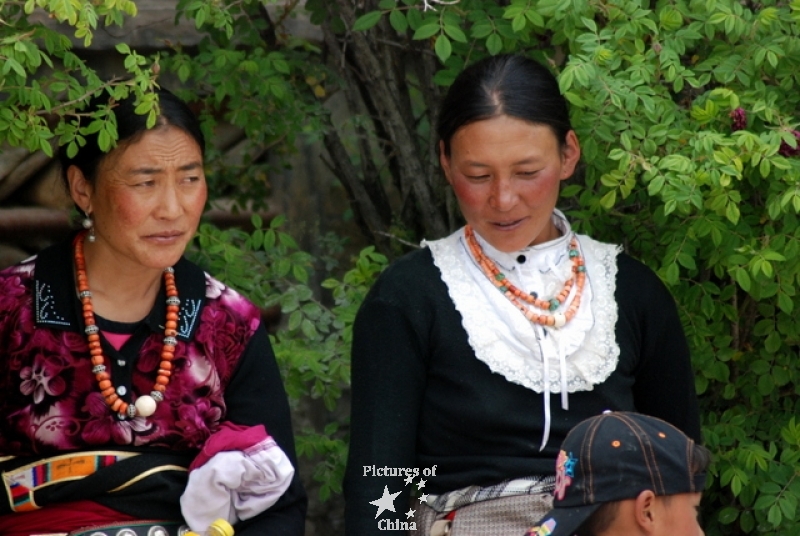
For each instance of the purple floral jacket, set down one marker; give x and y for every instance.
(224, 369)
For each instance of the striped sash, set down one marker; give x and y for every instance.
(22, 482)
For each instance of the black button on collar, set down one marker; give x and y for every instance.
(521, 259)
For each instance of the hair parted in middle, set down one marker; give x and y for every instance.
(507, 84)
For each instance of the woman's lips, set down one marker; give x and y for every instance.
(507, 226)
(165, 238)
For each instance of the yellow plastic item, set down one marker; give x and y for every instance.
(220, 527)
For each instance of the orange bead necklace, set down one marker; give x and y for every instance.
(547, 311)
(145, 405)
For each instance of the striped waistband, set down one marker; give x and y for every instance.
(22, 482)
(453, 500)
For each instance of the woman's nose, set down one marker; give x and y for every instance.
(169, 203)
(502, 196)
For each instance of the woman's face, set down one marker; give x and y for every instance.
(505, 173)
(147, 198)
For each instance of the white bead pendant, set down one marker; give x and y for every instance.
(145, 406)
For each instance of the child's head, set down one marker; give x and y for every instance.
(625, 473)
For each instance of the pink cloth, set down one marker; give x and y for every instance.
(116, 339)
(230, 436)
(239, 473)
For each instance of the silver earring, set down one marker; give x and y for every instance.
(88, 224)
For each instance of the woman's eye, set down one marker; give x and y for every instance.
(528, 173)
(477, 177)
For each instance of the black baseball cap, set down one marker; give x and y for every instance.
(613, 457)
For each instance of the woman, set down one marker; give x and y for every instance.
(474, 356)
(120, 358)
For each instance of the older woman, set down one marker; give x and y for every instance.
(474, 356)
(120, 358)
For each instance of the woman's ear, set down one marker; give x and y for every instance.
(444, 161)
(80, 189)
(570, 155)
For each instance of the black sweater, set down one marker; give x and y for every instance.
(420, 397)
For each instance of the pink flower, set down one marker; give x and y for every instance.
(739, 117)
(11, 290)
(223, 335)
(195, 421)
(43, 378)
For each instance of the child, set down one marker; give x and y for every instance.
(621, 474)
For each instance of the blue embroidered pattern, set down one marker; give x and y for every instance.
(188, 317)
(45, 306)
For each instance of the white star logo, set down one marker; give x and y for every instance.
(410, 513)
(386, 502)
(409, 480)
(423, 498)
(421, 484)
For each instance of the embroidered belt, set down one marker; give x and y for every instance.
(21, 483)
(453, 500)
(128, 528)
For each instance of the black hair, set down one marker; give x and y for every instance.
(130, 127)
(600, 521)
(507, 84)
(602, 518)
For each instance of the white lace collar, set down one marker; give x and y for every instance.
(514, 347)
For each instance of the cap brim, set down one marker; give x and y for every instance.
(563, 521)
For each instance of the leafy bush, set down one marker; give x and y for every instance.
(688, 116)
(312, 344)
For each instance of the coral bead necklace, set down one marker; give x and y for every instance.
(547, 311)
(145, 405)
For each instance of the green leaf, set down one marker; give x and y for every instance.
(427, 30)
(687, 261)
(480, 30)
(518, 23)
(294, 320)
(445, 77)
(774, 515)
(455, 33)
(443, 48)
(785, 303)
(773, 342)
(728, 515)
(308, 329)
(494, 44)
(742, 278)
(104, 140)
(13, 64)
(287, 240)
(300, 273)
(367, 21)
(398, 21)
(608, 200)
